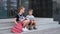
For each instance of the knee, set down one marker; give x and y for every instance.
(26, 21)
(31, 21)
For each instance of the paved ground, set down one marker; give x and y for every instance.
(48, 31)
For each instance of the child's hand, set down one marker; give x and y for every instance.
(23, 19)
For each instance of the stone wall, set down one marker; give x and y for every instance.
(56, 10)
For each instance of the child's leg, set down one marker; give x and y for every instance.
(25, 23)
(34, 24)
(31, 23)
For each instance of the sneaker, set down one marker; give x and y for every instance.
(34, 28)
(30, 28)
(25, 29)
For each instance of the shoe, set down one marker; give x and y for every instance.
(34, 28)
(30, 28)
(25, 29)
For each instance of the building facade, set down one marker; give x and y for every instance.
(42, 8)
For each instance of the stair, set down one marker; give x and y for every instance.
(41, 24)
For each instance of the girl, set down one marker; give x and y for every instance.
(20, 17)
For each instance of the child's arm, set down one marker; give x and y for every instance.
(27, 17)
(34, 18)
(23, 19)
(15, 20)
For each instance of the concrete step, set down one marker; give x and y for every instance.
(37, 19)
(5, 28)
(44, 19)
(7, 25)
(42, 24)
(39, 28)
(46, 31)
(45, 23)
(37, 24)
(6, 31)
(6, 20)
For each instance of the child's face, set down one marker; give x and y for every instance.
(22, 10)
(30, 12)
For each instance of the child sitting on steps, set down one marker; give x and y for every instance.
(32, 19)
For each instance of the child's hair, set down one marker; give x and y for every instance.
(30, 10)
(21, 7)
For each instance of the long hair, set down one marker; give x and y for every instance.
(21, 7)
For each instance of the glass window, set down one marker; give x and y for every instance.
(5, 4)
(13, 4)
(0, 4)
(13, 0)
(4, 0)
(5, 8)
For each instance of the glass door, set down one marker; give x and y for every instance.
(12, 8)
(8, 8)
(3, 8)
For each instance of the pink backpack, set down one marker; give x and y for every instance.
(17, 28)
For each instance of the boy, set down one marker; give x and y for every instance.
(32, 20)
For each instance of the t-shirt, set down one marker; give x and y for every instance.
(19, 17)
(30, 17)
